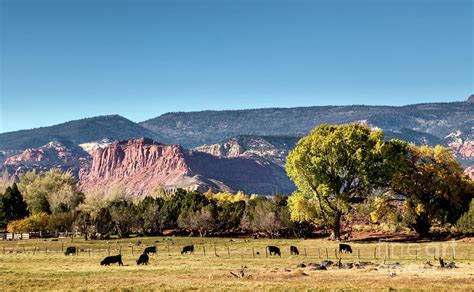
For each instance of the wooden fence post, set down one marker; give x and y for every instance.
(327, 256)
(416, 254)
(204, 249)
(253, 251)
(62, 246)
(319, 253)
(168, 248)
(46, 248)
(358, 254)
(89, 251)
(375, 253)
(305, 254)
(228, 251)
(335, 252)
(266, 252)
(34, 251)
(215, 250)
(132, 249)
(108, 247)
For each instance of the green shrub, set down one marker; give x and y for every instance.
(465, 223)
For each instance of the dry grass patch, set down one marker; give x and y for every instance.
(54, 271)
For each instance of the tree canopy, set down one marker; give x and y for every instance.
(433, 186)
(336, 166)
(52, 191)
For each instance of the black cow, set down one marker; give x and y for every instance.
(294, 250)
(143, 259)
(70, 250)
(188, 249)
(112, 260)
(273, 250)
(150, 249)
(345, 248)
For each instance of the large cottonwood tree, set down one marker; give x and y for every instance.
(433, 187)
(335, 167)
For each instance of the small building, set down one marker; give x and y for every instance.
(20, 236)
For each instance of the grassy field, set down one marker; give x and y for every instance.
(39, 264)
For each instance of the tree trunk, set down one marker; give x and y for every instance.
(337, 226)
(422, 226)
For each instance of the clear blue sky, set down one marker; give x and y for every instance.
(63, 60)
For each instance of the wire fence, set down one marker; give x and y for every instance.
(382, 251)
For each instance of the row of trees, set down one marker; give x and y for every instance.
(338, 167)
(187, 212)
(338, 170)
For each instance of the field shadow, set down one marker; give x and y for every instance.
(407, 238)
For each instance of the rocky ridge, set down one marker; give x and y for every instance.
(55, 154)
(267, 149)
(142, 165)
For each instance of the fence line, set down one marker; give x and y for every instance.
(386, 251)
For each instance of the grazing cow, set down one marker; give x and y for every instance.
(150, 249)
(143, 259)
(112, 260)
(273, 250)
(294, 250)
(70, 250)
(188, 249)
(345, 248)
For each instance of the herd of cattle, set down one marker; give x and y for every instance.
(189, 249)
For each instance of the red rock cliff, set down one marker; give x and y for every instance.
(52, 155)
(142, 165)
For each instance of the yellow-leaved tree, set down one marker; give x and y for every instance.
(434, 189)
(335, 167)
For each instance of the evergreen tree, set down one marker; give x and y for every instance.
(12, 205)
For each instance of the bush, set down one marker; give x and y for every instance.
(465, 224)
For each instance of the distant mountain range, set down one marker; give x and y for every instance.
(113, 127)
(196, 128)
(237, 138)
